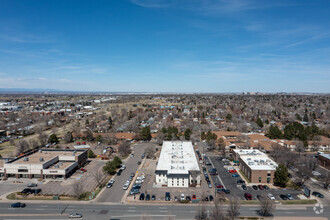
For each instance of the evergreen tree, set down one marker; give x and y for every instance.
(306, 119)
(187, 134)
(274, 132)
(91, 154)
(53, 139)
(145, 134)
(281, 176)
(229, 117)
(259, 123)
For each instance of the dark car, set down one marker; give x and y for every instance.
(141, 196)
(188, 198)
(167, 196)
(132, 174)
(244, 187)
(240, 182)
(210, 198)
(317, 194)
(261, 187)
(266, 187)
(139, 163)
(284, 197)
(153, 197)
(219, 186)
(248, 196)
(119, 172)
(254, 187)
(227, 191)
(206, 199)
(18, 205)
(148, 197)
(26, 191)
(36, 191)
(142, 156)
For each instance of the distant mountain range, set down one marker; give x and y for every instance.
(24, 90)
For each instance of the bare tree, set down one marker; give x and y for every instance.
(77, 189)
(34, 143)
(218, 212)
(68, 137)
(124, 148)
(150, 152)
(22, 145)
(201, 212)
(43, 139)
(266, 206)
(98, 176)
(300, 148)
(233, 209)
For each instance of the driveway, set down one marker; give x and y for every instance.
(116, 192)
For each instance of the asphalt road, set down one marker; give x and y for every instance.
(98, 211)
(231, 183)
(116, 192)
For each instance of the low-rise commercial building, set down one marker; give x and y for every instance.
(44, 163)
(256, 165)
(177, 165)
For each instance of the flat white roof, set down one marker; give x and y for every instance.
(177, 157)
(250, 152)
(259, 162)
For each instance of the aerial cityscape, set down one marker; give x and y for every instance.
(164, 109)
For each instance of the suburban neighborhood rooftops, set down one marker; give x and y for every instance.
(177, 157)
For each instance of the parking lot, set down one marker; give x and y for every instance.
(225, 178)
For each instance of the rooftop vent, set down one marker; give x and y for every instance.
(60, 164)
(41, 159)
(26, 159)
(56, 166)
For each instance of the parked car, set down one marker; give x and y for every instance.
(18, 205)
(283, 197)
(193, 196)
(317, 194)
(244, 187)
(219, 186)
(75, 215)
(188, 198)
(141, 196)
(134, 191)
(132, 174)
(210, 185)
(139, 163)
(26, 190)
(153, 197)
(210, 198)
(240, 182)
(266, 187)
(35, 191)
(182, 197)
(261, 187)
(235, 175)
(142, 156)
(125, 187)
(123, 167)
(227, 191)
(167, 196)
(109, 185)
(248, 196)
(148, 197)
(271, 197)
(82, 169)
(232, 171)
(32, 185)
(119, 172)
(254, 187)
(289, 196)
(259, 197)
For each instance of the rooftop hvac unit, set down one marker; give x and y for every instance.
(41, 159)
(60, 164)
(40, 151)
(56, 166)
(26, 159)
(249, 159)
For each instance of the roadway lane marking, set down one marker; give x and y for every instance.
(163, 211)
(132, 207)
(131, 210)
(162, 207)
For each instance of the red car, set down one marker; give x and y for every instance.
(194, 196)
(248, 196)
(219, 186)
(261, 187)
(82, 169)
(232, 171)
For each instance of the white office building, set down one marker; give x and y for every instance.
(177, 165)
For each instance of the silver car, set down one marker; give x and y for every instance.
(75, 215)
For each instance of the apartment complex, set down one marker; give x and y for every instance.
(44, 163)
(177, 165)
(256, 165)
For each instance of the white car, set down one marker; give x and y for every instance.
(271, 197)
(182, 197)
(315, 173)
(138, 181)
(125, 187)
(75, 215)
(112, 181)
(123, 167)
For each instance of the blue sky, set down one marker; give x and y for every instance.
(166, 45)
